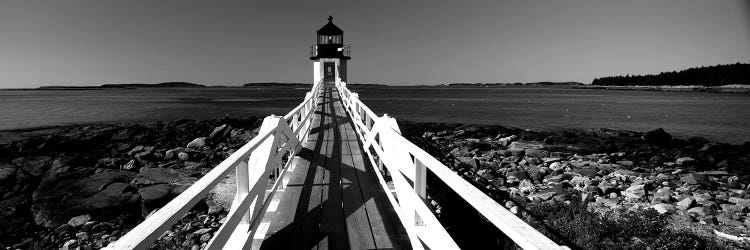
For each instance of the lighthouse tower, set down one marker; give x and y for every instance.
(330, 54)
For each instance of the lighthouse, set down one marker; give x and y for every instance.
(329, 55)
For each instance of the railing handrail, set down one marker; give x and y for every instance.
(399, 155)
(293, 127)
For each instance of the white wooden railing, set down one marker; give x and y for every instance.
(406, 163)
(254, 163)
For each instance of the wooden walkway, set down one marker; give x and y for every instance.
(333, 199)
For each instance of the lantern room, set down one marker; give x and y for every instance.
(329, 55)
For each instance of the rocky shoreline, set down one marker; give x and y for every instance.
(82, 187)
(692, 191)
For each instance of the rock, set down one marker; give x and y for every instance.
(695, 179)
(740, 201)
(685, 161)
(657, 137)
(536, 153)
(635, 192)
(183, 156)
(460, 151)
(468, 161)
(111, 163)
(664, 208)
(153, 197)
(79, 220)
(730, 222)
(702, 211)
(526, 186)
(63, 229)
(6, 172)
(105, 193)
(580, 181)
(203, 231)
(220, 131)
(205, 237)
(732, 209)
(197, 143)
(544, 195)
(557, 178)
(555, 166)
(686, 203)
(131, 165)
(215, 209)
(102, 227)
(589, 172)
(517, 176)
(625, 172)
(153, 176)
(708, 220)
(34, 165)
(223, 194)
(82, 236)
(194, 164)
(662, 195)
(625, 163)
(70, 245)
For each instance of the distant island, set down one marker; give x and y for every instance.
(719, 75)
(516, 84)
(277, 84)
(298, 85)
(129, 86)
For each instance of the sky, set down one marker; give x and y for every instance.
(93, 42)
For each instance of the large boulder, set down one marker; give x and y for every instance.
(7, 171)
(468, 162)
(221, 197)
(153, 176)
(220, 131)
(105, 193)
(153, 197)
(657, 137)
(34, 165)
(197, 143)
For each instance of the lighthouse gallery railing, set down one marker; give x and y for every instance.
(392, 153)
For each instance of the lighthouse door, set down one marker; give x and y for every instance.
(329, 71)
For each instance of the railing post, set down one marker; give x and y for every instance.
(405, 165)
(353, 100)
(420, 184)
(259, 162)
(243, 186)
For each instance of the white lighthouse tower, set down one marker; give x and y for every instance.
(330, 54)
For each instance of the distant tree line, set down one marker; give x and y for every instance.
(718, 75)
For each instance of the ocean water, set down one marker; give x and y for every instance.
(721, 117)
